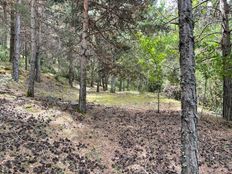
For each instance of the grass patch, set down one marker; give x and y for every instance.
(134, 99)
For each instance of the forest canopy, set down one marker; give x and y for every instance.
(151, 54)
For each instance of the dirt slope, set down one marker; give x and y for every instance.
(46, 135)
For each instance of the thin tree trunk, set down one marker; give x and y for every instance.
(92, 79)
(106, 83)
(120, 85)
(38, 59)
(128, 85)
(103, 83)
(98, 86)
(189, 137)
(83, 61)
(12, 32)
(112, 88)
(204, 97)
(71, 71)
(25, 55)
(5, 23)
(37, 66)
(226, 51)
(30, 92)
(158, 98)
(98, 82)
(15, 64)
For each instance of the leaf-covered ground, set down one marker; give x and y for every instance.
(47, 135)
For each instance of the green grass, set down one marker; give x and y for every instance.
(130, 99)
(51, 87)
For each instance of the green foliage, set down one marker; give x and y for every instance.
(155, 51)
(4, 53)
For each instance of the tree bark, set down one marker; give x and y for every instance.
(120, 85)
(15, 63)
(128, 85)
(70, 71)
(5, 23)
(92, 79)
(30, 91)
(98, 82)
(38, 45)
(83, 60)
(189, 137)
(227, 61)
(12, 32)
(105, 83)
(25, 55)
(112, 88)
(158, 99)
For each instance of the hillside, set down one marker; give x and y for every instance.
(46, 134)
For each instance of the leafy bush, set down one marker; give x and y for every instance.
(3, 54)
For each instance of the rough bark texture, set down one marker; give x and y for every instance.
(15, 63)
(25, 55)
(227, 61)
(38, 59)
(70, 70)
(37, 66)
(12, 32)
(189, 138)
(4, 6)
(30, 92)
(83, 60)
(112, 88)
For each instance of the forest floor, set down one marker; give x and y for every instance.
(121, 133)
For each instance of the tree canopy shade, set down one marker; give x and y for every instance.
(152, 58)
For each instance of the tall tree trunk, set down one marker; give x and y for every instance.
(12, 32)
(112, 88)
(120, 85)
(98, 82)
(15, 63)
(83, 61)
(70, 71)
(226, 51)
(189, 137)
(128, 85)
(5, 23)
(98, 86)
(92, 79)
(105, 83)
(30, 91)
(158, 99)
(25, 55)
(37, 57)
(204, 95)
